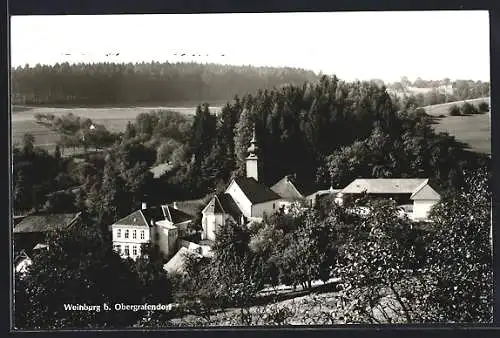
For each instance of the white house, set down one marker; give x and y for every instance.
(160, 226)
(244, 200)
(314, 198)
(414, 195)
(21, 263)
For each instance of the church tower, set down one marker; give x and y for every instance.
(252, 159)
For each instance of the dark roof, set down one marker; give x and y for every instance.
(224, 204)
(255, 191)
(43, 222)
(154, 213)
(136, 218)
(175, 215)
(229, 205)
(287, 188)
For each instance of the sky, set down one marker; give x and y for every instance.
(431, 45)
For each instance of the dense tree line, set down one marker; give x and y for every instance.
(326, 133)
(468, 109)
(143, 83)
(31, 183)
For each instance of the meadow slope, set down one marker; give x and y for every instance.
(114, 119)
(474, 130)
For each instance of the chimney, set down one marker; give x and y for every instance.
(144, 206)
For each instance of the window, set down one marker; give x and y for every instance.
(117, 247)
(274, 205)
(127, 252)
(118, 233)
(134, 250)
(126, 233)
(134, 234)
(142, 234)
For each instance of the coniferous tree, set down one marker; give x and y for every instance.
(242, 136)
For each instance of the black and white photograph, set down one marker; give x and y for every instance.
(250, 169)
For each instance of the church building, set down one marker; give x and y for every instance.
(244, 200)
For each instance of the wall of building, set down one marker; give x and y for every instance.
(127, 249)
(210, 223)
(137, 238)
(268, 207)
(183, 228)
(241, 200)
(133, 243)
(421, 208)
(167, 240)
(252, 168)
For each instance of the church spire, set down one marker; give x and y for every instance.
(252, 166)
(253, 148)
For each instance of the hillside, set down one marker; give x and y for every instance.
(142, 84)
(474, 130)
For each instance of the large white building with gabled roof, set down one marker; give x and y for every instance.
(244, 200)
(415, 195)
(158, 225)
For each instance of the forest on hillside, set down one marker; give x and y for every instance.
(144, 83)
(325, 133)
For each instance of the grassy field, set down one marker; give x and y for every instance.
(114, 119)
(474, 130)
